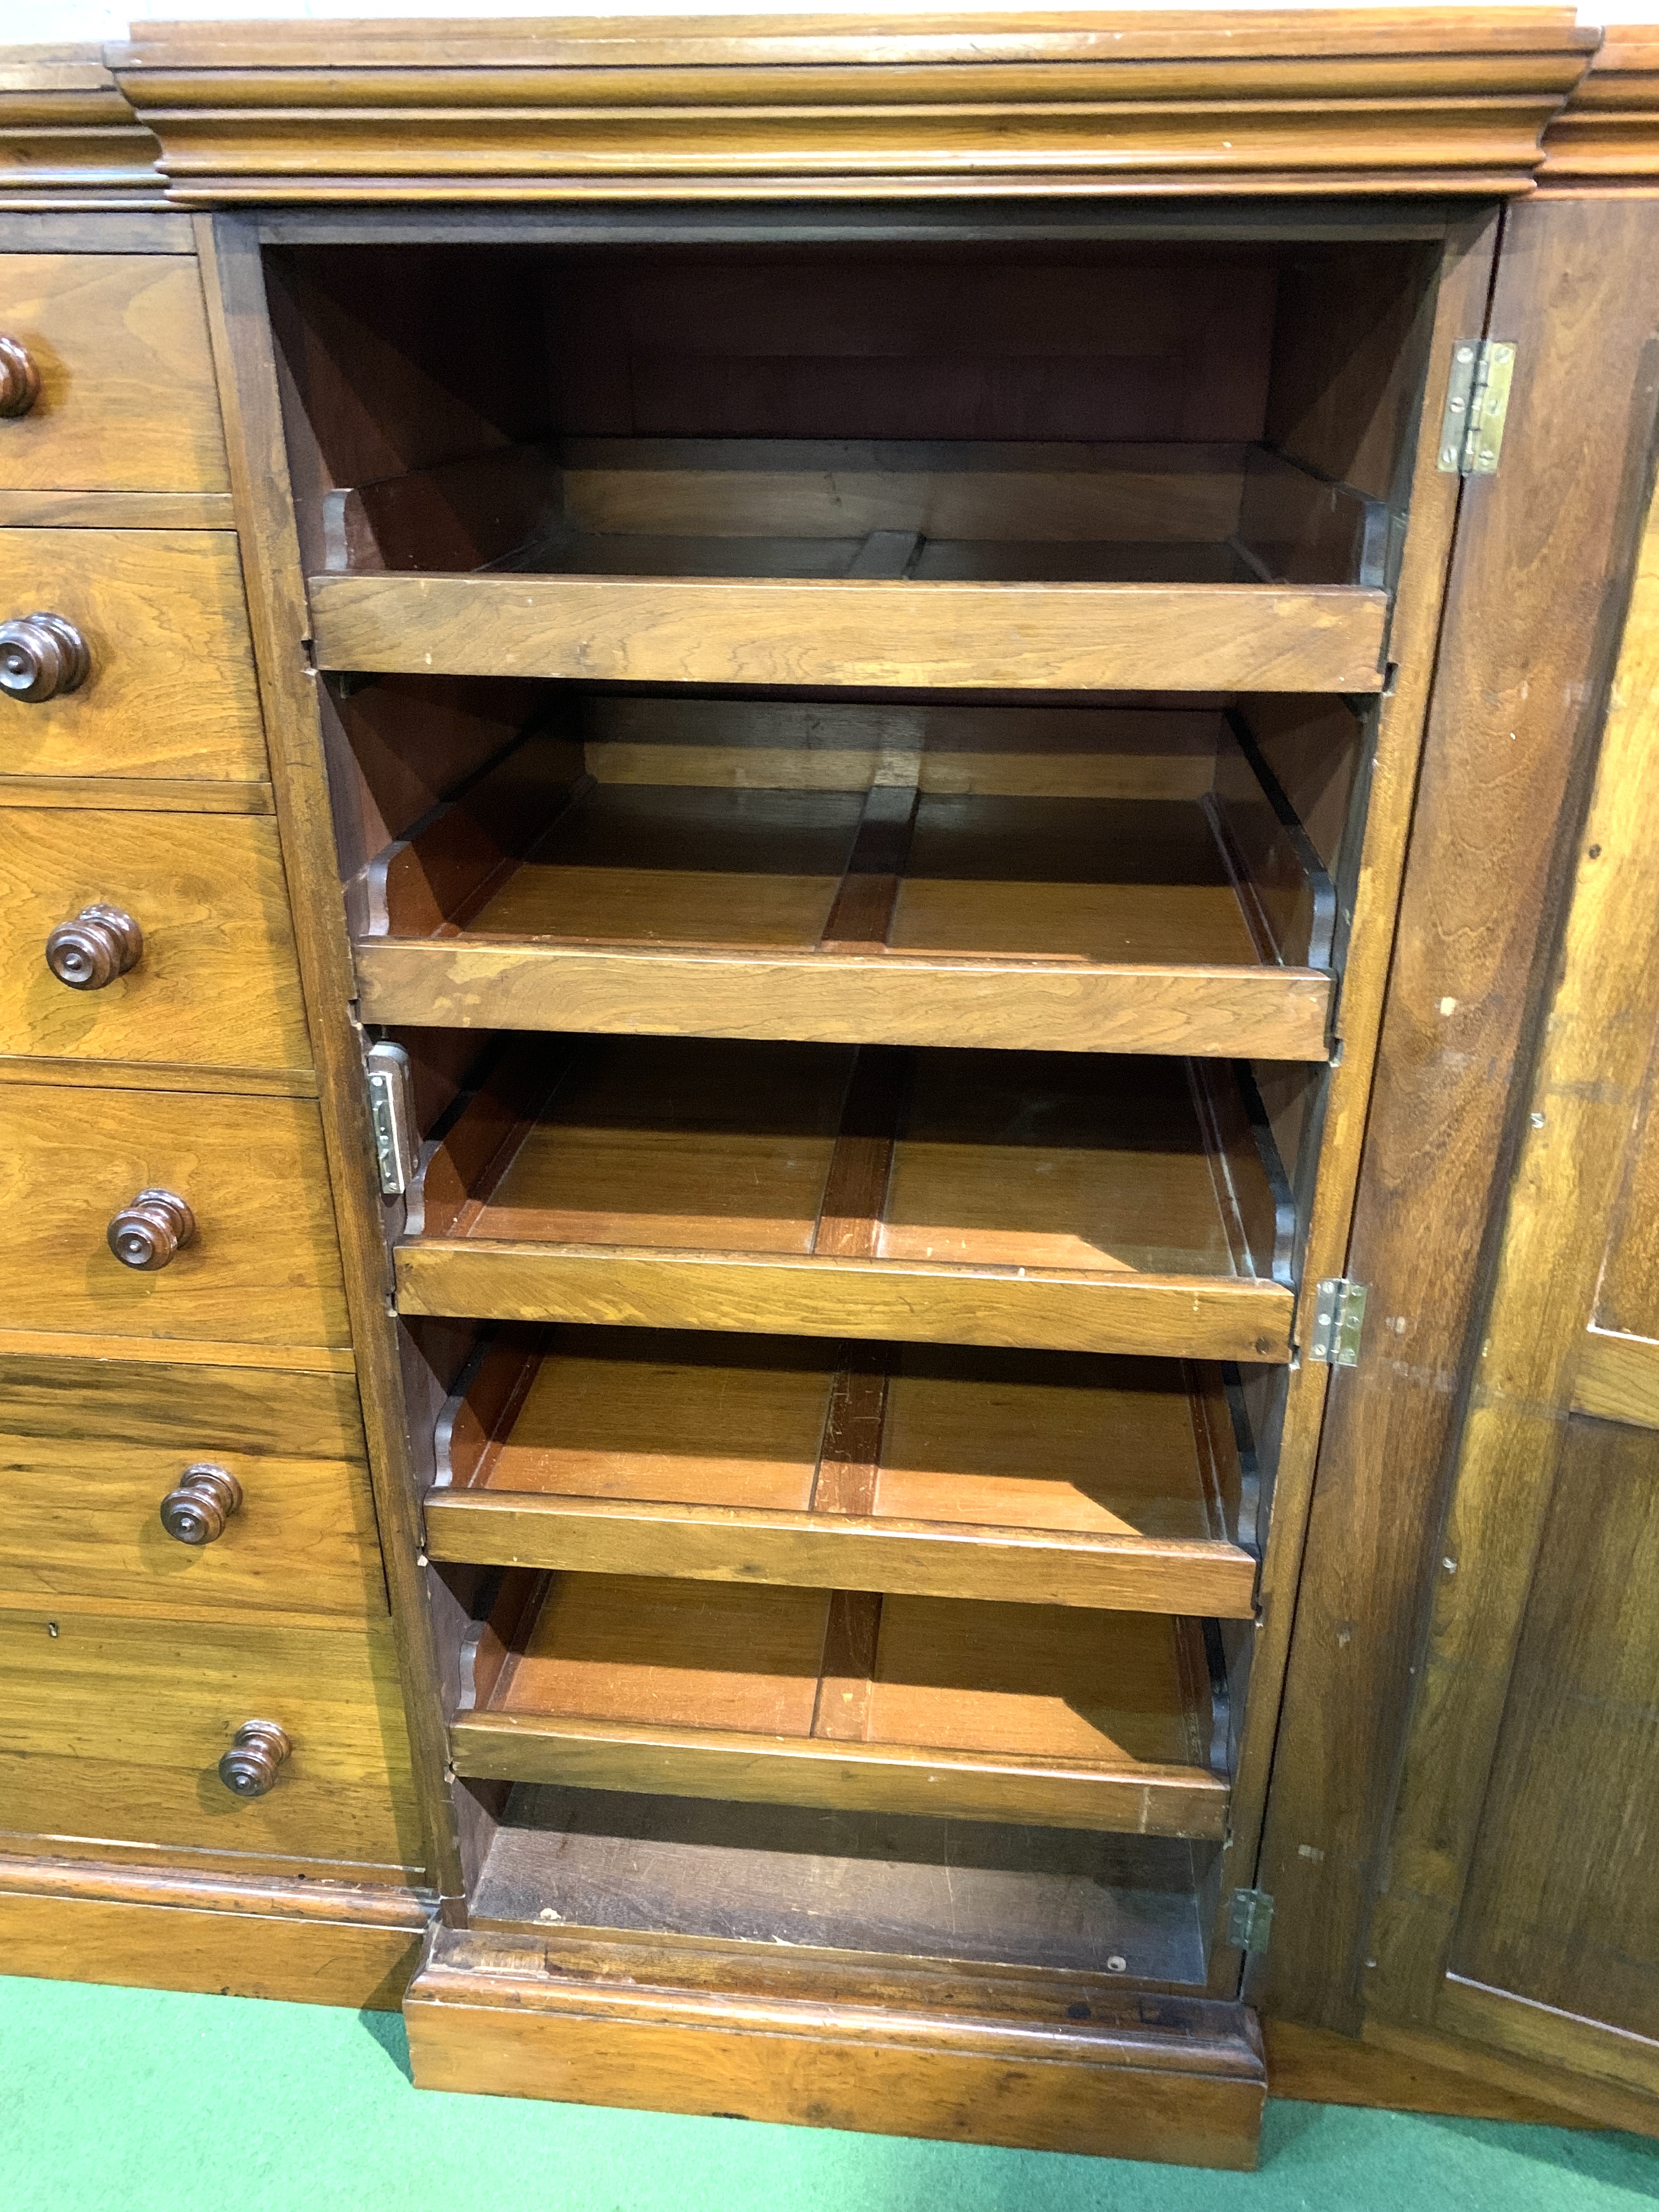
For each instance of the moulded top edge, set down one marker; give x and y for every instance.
(990, 36)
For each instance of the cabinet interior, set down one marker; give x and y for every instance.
(850, 765)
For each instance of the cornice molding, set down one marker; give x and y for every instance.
(1405, 100)
(1606, 138)
(68, 138)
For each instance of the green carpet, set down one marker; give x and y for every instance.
(137, 2100)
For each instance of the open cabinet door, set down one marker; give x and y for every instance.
(1519, 1910)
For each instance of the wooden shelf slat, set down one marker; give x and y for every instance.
(1085, 1203)
(906, 1705)
(928, 911)
(1043, 1482)
(1052, 567)
(1045, 637)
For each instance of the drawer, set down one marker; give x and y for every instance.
(214, 983)
(111, 1730)
(89, 1451)
(264, 1264)
(170, 689)
(126, 400)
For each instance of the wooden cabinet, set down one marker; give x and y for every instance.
(867, 844)
(913, 778)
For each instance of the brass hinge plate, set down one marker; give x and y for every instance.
(1250, 1919)
(1477, 406)
(1339, 1318)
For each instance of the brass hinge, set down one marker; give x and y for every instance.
(1250, 1919)
(391, 1115)
(1339, 1317)
(1477, 403)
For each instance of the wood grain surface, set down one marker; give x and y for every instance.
(307, 1942)
(344, 1177)
(1502, 752)
(1068, 1482)
(171, 691)
(736, 2029)
(113, 1727)
(127, 402)
(1316, 101)
(91, 1447)
(265, 1265)
(217, 984)
(1017, 636)
(991, 1711)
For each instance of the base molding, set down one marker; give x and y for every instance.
(1595, 2104)
(1058, 2063)
(312, 1943)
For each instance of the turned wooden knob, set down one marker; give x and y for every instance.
(148, 1233)
(42, 655)
(101, 944)
(249, 1767)
(19, 380)
(197, 1508)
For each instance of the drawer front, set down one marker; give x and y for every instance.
(170, 687)
(89, 1450)
(216, 983)
(264, 1264)
(126, 400)
(111, 1730)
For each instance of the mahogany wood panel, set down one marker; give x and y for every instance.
(113, 1726)
(1315, 101)
(1572, 1775)
(1543, 548)
(1016, 636)
(1065, 1482)
(974, 2057)
(1531, 1731)
(308, 1942)
(171, 692)
(711, 344)
(91, 1450)
(127, 401)
(217, 984)
(264, 1265)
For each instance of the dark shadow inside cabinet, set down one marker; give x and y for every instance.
(850, 764)
(1186, 411)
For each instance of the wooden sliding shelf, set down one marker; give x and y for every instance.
(849, 1699)
(1089, 1203)
(1044, 1479)
(799, 561)
(1081, 878)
